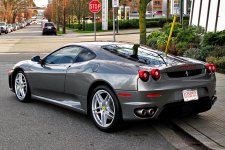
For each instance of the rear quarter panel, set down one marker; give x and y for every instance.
(119, 76)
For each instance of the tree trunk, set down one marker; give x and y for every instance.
(168, 10)
(83, 26)
(142, 20)
(58, 15)
(64, 17)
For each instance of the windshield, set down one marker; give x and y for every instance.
(145, 55)
(48, 24)
(2, 24)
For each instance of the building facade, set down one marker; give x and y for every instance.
(158, 5)
(209, 14)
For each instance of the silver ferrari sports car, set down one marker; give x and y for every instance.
(113, 82)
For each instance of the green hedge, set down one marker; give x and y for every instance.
(219, 62)
(126, 24)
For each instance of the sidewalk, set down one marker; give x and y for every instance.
(121, 32)
(209, 127)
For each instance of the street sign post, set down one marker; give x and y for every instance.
(105, 15)
(115, 3)
(95, 7)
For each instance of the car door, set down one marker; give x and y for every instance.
(79, 77)
(48, 79)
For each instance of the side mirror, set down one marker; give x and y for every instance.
(36, 59)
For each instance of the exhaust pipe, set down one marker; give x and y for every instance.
(141, 112)
(214, 98)
(151, 112)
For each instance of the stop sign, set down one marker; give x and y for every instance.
(95, 6)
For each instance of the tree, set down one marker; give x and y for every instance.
(142, 20)
(15, 10)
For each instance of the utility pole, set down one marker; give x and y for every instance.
(181, 11)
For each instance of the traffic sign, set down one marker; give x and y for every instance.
(115, 3)
(95, 6)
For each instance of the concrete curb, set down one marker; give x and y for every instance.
(106, 34)
(198, 136)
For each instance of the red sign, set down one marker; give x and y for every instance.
(95, 6)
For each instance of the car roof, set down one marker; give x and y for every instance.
(96, 46)
(101, 53)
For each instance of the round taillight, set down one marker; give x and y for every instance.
(213, 68)
(155, 73)
(210, 67)
(143, 75)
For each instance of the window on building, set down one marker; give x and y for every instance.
(157, 3)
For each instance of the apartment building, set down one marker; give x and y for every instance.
(209, 14)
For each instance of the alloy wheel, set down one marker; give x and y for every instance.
(20, 86)
(103, 108)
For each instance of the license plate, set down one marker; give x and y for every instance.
(190, 95)
(49, 27)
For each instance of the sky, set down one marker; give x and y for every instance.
(41, 3)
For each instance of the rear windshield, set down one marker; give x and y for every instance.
(145, 55)
(48, 24)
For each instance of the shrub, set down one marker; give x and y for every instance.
(194, 53)
(181, 47)
(90, 26)
(151, 24)
(216, 39)
(218, 52)
(199, 30)
(75, 26)
(167, 26)
(205, 51)
(188, 35)
(157, 40)
(162, 41)
(218, 61)
(125, 24)
(152, 43)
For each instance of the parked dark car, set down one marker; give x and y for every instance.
(48, 28)
(110, 83)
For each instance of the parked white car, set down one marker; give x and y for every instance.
(3, 27)
(10, 28)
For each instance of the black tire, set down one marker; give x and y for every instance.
(27, 97)
(117, 121)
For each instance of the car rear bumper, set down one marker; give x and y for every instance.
(169, 101)
(49, 31)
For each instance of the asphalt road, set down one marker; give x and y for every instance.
(39, 125)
